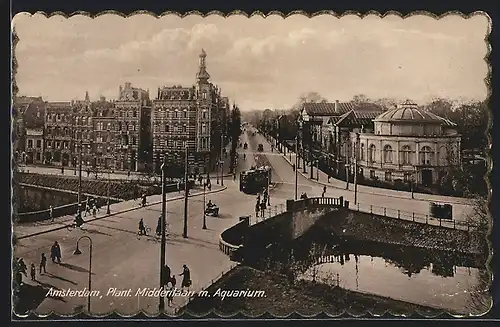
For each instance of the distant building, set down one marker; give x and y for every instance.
(59, 133)
(188, 117)
(407, 143)
(34, 145)
(28, 112)
(104, 125)
(131, 115)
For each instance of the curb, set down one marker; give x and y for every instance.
(119, 212)
(373, 193)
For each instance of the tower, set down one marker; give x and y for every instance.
(87, 99)
(202, 76)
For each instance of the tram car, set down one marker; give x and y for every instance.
(254, 181)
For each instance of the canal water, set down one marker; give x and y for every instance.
(451, 288)
(454, 282)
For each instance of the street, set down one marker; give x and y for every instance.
(122, 261)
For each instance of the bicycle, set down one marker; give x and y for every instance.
(147, 231)
(73, 226)
(167, 231)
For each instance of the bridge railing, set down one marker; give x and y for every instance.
(231, 239)
(412, 216)
(64, 210)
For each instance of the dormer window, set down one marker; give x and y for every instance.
(204, 95)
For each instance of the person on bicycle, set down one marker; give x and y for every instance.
(142, 228)
(210, 205)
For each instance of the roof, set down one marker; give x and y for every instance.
(357, 118)
(34, 115)
(328, 108)
(409, 112)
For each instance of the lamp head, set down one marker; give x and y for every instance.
(77, 250)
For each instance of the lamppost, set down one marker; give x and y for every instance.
(347, 166)
(413, 182)
(163, 225)
(80, 175)
(108, 210)
(356, 156)
(186, 193)
(222, 160)
(77, 252)
(297, 161)
(204, 202)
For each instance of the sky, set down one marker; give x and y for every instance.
(257, 62)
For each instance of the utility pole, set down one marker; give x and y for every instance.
(296, 165)
(163, 227)
(221, 159)
(80, 175)
(356, 149)
(186, 194)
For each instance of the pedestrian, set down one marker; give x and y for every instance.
(170, 292)
(94, 209)
(62, 170)
(51, 213)
(293, 167)
(128, 174)
(200, 180)
(186, 277)
(158, 227)
(55, 252)
(179, 186)
(263, 208)
(329, 176)
(33, 271)
(43, 264)
(22, 267)
(257, 209)
(324, 191)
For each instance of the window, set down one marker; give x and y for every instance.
(30, 143)
(388, 176)
(185, 114)
(372, 174)
(204, 114)
(204, 129)
(371, 154)
(167, 128)
(176, 114)
(387, 154)
(38, 144)
(362, 152)
(426, 155)
(134, 114)
(204, 95)
(406, 152)
(184, 129)
(407, 177)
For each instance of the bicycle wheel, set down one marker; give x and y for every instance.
(138, 235)
(148, 231)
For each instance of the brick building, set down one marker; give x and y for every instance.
(104, 133)
(191, 117)
(58, 133)
(131, 115)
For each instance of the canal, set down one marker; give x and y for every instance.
(449, 281)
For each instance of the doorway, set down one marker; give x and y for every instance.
(427, 177)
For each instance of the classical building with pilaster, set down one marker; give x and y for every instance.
(407, 143)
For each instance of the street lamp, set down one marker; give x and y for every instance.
(204, 202)
(186, 193)
(163, 225)
(297, 161)
(108, 210)
(77, 252)
(356, 156)
(222, 161)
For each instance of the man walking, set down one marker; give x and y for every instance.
(43, 264)
(51, 213)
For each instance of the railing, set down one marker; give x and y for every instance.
(227, 248)
(67, 209)
(411, 216)
(231, 239)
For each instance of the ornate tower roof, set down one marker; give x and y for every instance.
(203, 76)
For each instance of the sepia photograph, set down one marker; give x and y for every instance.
(195, 165)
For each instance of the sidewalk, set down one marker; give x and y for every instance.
(25, 230)
(336, 183)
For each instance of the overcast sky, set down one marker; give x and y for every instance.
(259, 63)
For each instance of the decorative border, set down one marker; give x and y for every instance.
(239, 316)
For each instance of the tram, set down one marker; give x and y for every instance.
(255, 180)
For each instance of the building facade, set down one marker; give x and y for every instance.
(130, 125)
(407, 144)
(59, 133)
(104, 126)
(188, 118)
(82, 134)
(34, 146)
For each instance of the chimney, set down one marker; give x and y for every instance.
(337, 103)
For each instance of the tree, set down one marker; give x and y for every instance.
(360, 98)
